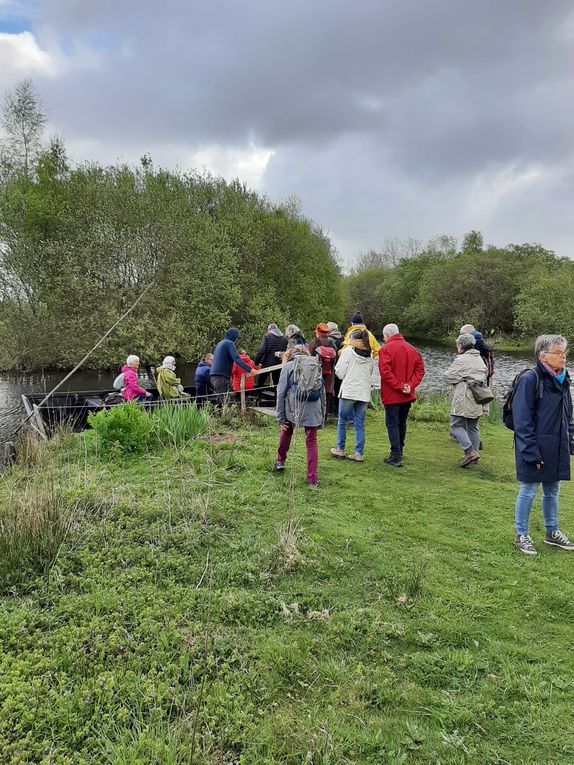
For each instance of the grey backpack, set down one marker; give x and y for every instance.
(307, 378)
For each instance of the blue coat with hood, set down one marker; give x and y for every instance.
(543, 427)
(226, 354)
(202, 385)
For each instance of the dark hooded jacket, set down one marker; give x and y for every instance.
(272, 343)
(486, 353)
(226, 354)
(543, 427)
(202, 385)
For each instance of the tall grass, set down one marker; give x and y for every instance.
(176, 425)
(34, 524)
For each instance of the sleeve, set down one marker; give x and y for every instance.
(282, 388)
(453, 374)
(375, 347)
(134, 385)
(261, 351)
(418, 372)
(523, 414)
(386, 371)
(343, 364)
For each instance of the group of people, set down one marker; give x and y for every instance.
(333, 367)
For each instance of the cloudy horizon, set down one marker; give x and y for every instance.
(386, 120)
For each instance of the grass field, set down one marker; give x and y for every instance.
(188, 605)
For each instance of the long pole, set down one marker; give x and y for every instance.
(86, 357)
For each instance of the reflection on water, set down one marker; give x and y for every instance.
(436, 358)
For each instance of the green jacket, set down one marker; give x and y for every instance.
(167, 383)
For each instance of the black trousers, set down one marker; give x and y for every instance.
(396, 421)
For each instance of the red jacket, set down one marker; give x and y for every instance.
(399, 364)
(237, 372)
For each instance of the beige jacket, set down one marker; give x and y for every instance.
(467, 367)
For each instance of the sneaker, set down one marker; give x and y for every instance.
(356, 457)
(339, 454)
(480, 447)
(558, 539)
(525, 544)
(469, 456)
(393, 461)
(313, 486)
(279, 465)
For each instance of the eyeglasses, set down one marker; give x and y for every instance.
(557, 353)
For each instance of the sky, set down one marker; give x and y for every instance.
(387, 119)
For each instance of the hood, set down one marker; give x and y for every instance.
(360, 359)
(203, 363)
(127, 368)
(476, 335)
(275, 331)
(245, 357)
(232, 334)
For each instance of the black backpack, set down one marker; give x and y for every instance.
(507, 417)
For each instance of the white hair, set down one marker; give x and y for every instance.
(466, 341)
(545, 343)
(466, 329)
(390, 330)
(132, 359)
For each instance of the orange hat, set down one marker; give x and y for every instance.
(322, 329)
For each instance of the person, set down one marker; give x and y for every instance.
(132, 391)
(325, 348)
(485, 350)
(269, 353)
(357, 323)
(294, 336)
(203, 386)
(402, 369)
(543, 440)
(168, 385)
(337, 338)
(237, 372)
(291, 413)
(354, 368)
(465, 413)
(335, 334)
(223, 359)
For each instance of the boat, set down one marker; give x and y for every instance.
(72, 408)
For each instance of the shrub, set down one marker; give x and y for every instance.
(125, 428)
(175, 425)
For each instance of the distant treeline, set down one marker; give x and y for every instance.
(79, 244)
(516, 291)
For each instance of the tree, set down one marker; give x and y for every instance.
(23, 120)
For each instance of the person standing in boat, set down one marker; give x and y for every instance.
(168, 385)
(132, 390)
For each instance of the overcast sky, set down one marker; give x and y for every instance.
(387, 119)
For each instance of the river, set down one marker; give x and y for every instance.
(12, 384)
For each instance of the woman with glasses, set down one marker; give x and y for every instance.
(543, 440)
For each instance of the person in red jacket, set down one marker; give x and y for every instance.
(402, 369)
(237, 372)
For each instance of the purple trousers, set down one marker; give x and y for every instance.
(285, 436)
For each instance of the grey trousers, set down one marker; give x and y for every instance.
(466, 431)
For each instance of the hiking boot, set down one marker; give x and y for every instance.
(356, 457)
(279, 465)
(469, 456)
(313, 486)
(525, 544)
(480, 447)
(339, 454)
(394, 460)
(558, 539)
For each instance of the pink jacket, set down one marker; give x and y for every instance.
(131, 387)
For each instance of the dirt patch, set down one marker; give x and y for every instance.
(223, 438)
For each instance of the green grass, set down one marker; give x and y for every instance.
(202, 609)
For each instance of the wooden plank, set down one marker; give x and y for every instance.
(267, 410)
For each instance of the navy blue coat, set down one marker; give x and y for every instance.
(203, 386)
(543, 427)
(226, 354)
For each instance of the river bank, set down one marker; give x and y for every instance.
(202, 608)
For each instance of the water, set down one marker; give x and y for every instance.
(12, 385)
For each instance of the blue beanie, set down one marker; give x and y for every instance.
(357, 318)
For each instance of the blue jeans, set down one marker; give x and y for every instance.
(352, 410)
(524, 500)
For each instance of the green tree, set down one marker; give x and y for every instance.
(23, 120)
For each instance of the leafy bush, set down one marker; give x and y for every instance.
(176, 425)
(125, 428)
